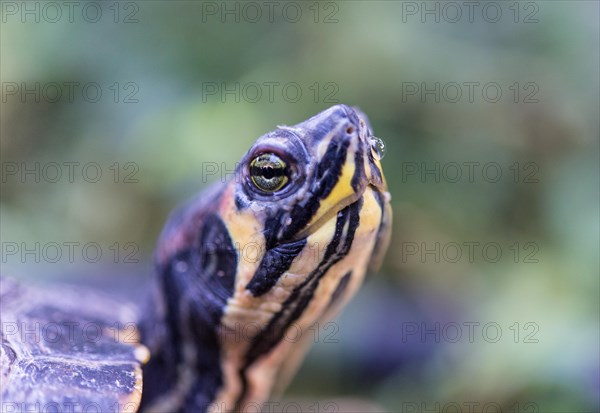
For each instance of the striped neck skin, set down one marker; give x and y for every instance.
(249, 268)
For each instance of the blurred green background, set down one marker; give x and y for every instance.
(432, 330)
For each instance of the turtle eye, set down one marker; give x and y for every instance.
(269, 173)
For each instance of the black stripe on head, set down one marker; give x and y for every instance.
(330, 167)
(275, 262)
(359, 167)
(340, 289)
(380, 201)
(352, 214)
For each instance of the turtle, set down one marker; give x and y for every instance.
(243, 271)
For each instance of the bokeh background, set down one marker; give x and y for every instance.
(433, 330)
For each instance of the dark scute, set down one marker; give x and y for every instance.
(80, 336)
(58, 349)
(64, 385)
(82, 376)
(275, 262)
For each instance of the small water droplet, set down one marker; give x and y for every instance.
(378, 146)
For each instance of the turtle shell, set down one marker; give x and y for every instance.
(68, 350)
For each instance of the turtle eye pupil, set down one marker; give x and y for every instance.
(269, 173)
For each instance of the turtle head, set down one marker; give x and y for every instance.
(297, 178)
